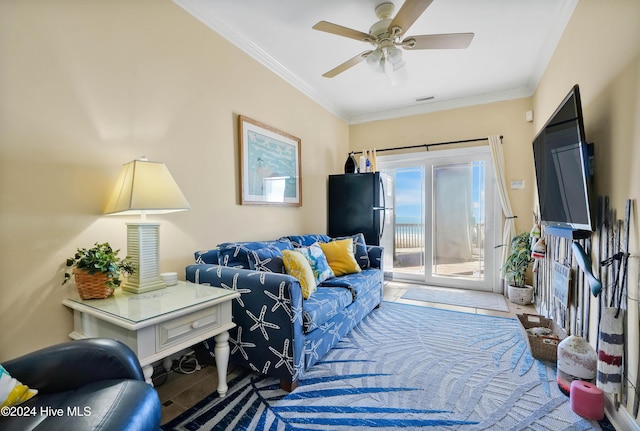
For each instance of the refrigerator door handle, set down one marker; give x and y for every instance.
(384, 211)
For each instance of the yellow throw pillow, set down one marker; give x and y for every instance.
(340, 256)
(12, 391)
(298, 266)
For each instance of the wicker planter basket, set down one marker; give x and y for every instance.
(92, 286)
(542, 347)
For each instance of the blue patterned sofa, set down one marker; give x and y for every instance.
(279, 333)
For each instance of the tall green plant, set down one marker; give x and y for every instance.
(515, 268)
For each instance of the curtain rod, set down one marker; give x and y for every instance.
(464, 141)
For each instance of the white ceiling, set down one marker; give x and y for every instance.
(513, 43)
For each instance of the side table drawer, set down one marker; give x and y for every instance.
(182, 328)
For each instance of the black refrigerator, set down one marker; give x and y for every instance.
(357, 203)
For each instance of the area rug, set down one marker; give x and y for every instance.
(404, 367)
(465, 298)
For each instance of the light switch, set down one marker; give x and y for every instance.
(528, 116)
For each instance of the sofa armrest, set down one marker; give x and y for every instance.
(376, 256)
(74, 364)
(268, 314)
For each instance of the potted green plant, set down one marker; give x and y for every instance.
(515, 269)
(98, 270)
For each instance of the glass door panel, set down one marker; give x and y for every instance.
(446, 219)
(409, 250)
(458, 221)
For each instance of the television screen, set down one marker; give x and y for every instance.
(562, 169)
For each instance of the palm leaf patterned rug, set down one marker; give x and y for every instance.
(404, 368)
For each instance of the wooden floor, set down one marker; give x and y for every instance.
(181, 391)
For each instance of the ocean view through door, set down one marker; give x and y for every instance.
(445, 217)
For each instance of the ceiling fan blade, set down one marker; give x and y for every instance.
(341, 31)
(347, 64)
(408, 14)
(438, 41)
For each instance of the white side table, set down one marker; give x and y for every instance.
(159, 323)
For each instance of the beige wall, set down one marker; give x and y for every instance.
(502, 118)
(88, 86)
(600, 51)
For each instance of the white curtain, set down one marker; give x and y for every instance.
(509, 229)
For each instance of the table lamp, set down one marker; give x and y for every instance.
(145, 187)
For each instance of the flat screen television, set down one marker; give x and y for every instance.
(563, 167)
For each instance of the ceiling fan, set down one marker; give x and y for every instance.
(385, 35)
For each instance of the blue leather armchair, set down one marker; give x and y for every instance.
(87, 384)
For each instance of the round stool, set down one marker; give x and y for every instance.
(587, 400)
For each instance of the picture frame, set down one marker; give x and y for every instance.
(270, 165)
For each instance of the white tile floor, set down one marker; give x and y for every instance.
(393, 292)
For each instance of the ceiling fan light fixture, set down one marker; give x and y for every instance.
(375, 60)
(397, 75)
(398, 65)
(379, 67)
(394, 55)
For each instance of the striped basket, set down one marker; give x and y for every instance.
(92, 286)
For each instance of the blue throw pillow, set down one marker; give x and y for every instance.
(359, 249)
(267, 259)
(318, 261)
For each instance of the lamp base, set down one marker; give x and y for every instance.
(142, 247)
(147, 287)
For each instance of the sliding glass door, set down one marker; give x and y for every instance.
(447, 223)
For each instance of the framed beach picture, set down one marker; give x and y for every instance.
(269, 165)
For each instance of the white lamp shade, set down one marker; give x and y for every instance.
(145, 187)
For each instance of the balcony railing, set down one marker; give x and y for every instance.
(411, 235)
